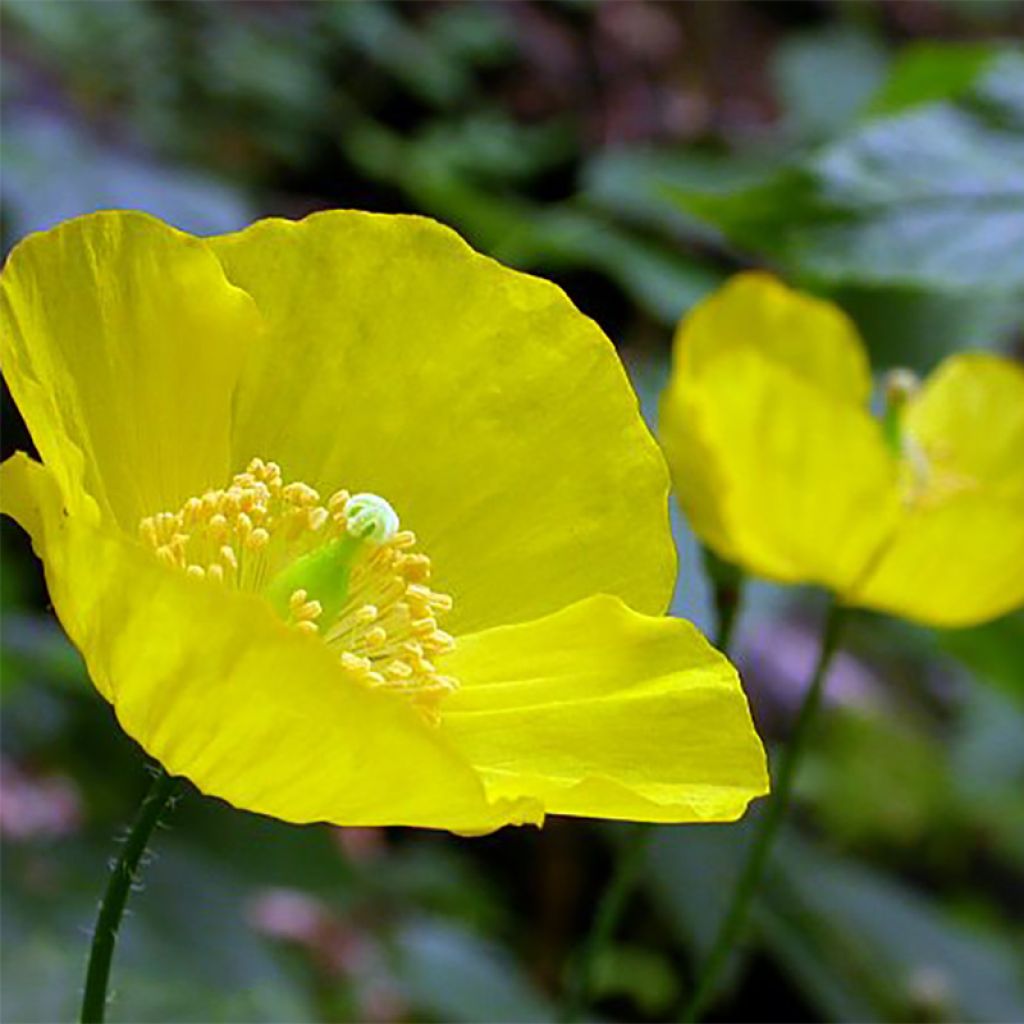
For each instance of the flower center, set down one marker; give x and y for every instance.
(340, 569)
(927, 474)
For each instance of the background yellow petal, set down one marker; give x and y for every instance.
(967, 424)
(958, 557)
(122, 341)
(493, 415)
(777, 474)
(211, 684)
(956, 564)
(811, 337)
(599, 711)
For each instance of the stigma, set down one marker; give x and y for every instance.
(341, 569)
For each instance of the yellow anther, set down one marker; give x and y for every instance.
(417, 568)
(301, 495)
(443, 642)
(354, 663)
(257, 539)
(308, 611)
(371, 605)
(376, 637)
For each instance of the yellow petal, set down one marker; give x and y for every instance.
(811, 337)
(493, 415)
(217, 689)
(956, 564)
(122, 341)
(967, 423)
(29, 494)
(958, 557)
(776, 474)
(599, 711)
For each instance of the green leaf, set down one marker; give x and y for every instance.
(825, 77)
(41, 192)
(928, 72)
(987, 768)
(931, 198)
(185, 953)
(636, 184)
(881, 938)
(916, 328)
(379, 32)
(456, 975)
(35, 649)
(861, 945)
(878, 777)
(644, 976)
(994, 651)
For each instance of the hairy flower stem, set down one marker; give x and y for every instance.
(731, 929)
(122, 877)
(727, 591)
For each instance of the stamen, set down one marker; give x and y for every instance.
(927, 473)
(340, 569)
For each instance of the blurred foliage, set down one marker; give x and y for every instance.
(926, 193)
(637, 152)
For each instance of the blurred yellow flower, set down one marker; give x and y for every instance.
(783, 470)
(287, 644)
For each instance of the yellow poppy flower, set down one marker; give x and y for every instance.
(783, 470)
(230, 429)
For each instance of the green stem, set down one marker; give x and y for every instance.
(731, 928)
(727, 590)
(122, 876)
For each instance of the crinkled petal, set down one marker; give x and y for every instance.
(493, 415)
(217, 689)
(599, 711)
(776, 474)
(122, 342)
